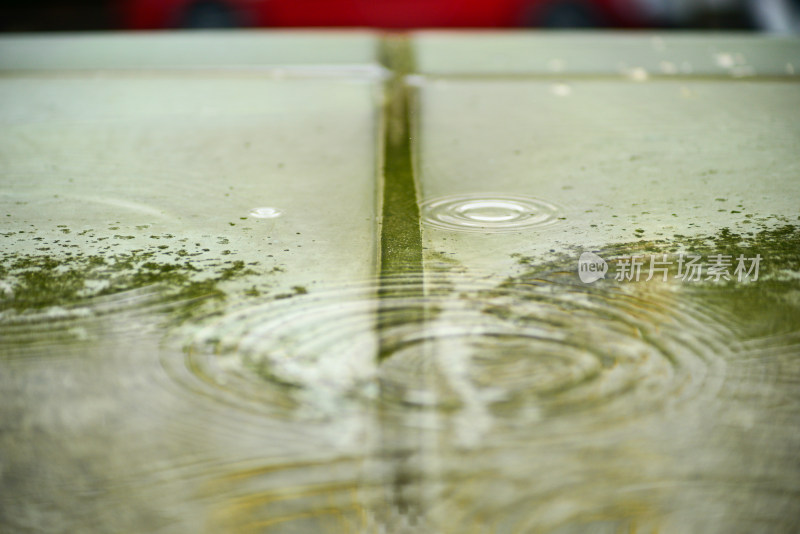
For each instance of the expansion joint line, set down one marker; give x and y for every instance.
(401, 287)
(401, 242)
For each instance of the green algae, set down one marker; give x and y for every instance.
(779, 245)
(768, 305)
(296, 290)
(34, 282)
(401, 240)
(401, 235)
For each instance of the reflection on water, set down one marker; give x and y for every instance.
(525, 404)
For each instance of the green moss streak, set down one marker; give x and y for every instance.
(768, 306)
(401, 241)
(40, 281)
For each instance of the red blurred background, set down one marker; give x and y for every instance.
(382, 13)
(74, 15)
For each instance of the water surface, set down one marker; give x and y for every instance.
(235, 303)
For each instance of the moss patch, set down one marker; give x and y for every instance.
(40, 281)
(767, 306)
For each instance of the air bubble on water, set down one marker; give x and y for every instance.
(265, 213)
(561, 89)
(724, 60)
(638, 74)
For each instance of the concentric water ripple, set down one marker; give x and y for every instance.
(498, 349)
(59, 327)
(488, 213)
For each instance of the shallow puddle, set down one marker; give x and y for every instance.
(290, 334)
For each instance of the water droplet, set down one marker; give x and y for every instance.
(488, 213)
(265, 213)
(638, 74)
(561, 89)
(724, 60)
